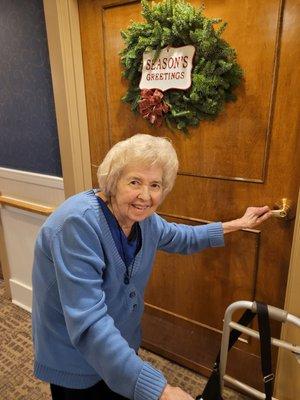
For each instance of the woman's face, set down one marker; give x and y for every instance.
(138, 194)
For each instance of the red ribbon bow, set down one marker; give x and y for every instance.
(152, 107)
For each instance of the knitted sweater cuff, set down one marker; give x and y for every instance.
(150, 384)
(215, 234)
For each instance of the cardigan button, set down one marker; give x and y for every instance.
(126, 279)
(132, 294)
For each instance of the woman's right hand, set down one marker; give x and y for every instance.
(174, 393)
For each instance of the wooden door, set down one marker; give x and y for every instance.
(248, 156)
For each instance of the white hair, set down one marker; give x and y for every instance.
(140, 149)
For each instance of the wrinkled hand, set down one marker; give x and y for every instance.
(174, 393)
(255, 216)
(252, 218)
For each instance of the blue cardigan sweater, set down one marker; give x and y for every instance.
(86, 321)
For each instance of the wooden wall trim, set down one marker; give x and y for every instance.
(4, 263)
(26, 205)
(168, 315)
(288, 371)
(63, 33)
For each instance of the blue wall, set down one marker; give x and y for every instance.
(28, 130)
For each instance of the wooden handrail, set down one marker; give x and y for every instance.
(26, 205)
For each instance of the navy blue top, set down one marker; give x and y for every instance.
(127, 247)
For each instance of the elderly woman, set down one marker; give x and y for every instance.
(93, 258)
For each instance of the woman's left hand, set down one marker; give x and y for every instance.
(253, 217)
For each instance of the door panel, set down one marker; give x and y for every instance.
(244, 125)
(225, 274)
(247, 156)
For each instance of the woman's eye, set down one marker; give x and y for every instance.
(134, 183)
(155, 186)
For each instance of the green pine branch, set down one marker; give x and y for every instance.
(215, 73)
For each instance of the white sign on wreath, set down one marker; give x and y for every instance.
(171, 70)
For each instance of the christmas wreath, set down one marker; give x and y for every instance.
(214, 75)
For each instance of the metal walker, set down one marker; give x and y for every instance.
(274, 313)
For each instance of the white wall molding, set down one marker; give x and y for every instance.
(31, 177)
(47, 190)
(21, 294)
(20, 228)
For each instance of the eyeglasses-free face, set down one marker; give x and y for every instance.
(138, 194)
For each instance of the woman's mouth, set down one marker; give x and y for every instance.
(140, 207)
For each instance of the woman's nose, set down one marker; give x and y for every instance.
(144, 193)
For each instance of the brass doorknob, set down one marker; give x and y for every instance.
(282, 209)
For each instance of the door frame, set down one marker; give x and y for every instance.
(63, 32)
